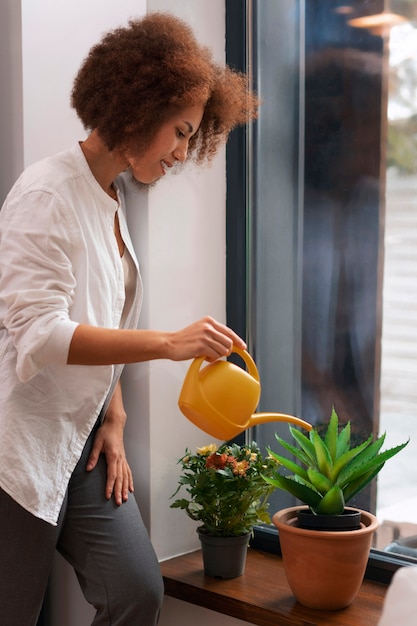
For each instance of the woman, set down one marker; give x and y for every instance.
(70, 294)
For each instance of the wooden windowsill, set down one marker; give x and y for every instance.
(262, 595)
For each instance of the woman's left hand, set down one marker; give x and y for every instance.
(109, 441)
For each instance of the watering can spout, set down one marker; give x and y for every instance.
(220, 398)
(263, 418)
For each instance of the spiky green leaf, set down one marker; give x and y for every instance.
(343, 441)
(332, 434)
(324, 461)
(352, 488)
(305, 444)
(319, 480)
(332, 503)
(297, 489)
(367, 454)
(374, 463)
(288, 464)
(347, 457)
(297, 452)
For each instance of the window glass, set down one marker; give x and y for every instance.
(331, 256)
(397, 485)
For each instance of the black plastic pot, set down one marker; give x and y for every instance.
(350, 519)
(224, 557)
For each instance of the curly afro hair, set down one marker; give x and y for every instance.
(139, 76)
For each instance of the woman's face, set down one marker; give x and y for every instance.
(169, 146)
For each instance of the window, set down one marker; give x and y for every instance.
(321, 228)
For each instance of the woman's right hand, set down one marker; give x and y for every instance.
(206, 337)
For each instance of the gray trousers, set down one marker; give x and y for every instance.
(107, 545)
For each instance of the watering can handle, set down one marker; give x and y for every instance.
(249, 362)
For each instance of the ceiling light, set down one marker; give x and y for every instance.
(379, 23)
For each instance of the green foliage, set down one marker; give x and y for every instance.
(331, 472)
(226, 488)
(402, 146)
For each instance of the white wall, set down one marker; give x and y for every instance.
(186, 281)
(179, 233)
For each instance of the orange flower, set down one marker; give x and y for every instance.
(217, 461)
(232, 463)
(241, 467)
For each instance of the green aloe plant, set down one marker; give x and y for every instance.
(331, 471)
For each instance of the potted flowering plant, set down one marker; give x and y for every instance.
(228, 494)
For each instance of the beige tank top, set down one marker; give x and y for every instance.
(130, 282)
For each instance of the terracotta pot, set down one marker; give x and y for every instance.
(224, 557)
(324, 569)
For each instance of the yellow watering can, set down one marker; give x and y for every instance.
(221, 398)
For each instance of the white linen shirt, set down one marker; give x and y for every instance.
(59, 266)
